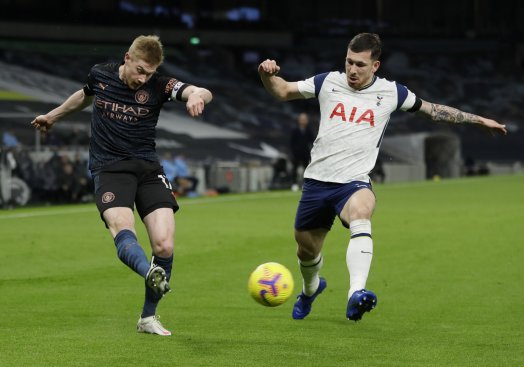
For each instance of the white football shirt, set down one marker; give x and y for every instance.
(352, 124)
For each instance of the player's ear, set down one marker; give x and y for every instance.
(376, 65)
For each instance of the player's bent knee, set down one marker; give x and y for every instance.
(163, 248)
(163, 251)
(307, 252)
(118, 219)
(360, 214)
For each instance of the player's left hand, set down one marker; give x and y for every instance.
(494, 127)
(195, 105)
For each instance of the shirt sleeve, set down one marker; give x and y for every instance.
(307, 87)
(313, 85)
(172, 88)
(406, 98)
(88, 87)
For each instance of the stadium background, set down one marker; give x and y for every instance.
(448, 255)
(467, 54)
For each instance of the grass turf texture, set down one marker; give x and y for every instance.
(447, 271)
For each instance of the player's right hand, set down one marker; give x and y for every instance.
(42, 123)
(268, 67)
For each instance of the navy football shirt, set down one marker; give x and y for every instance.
(124, 120)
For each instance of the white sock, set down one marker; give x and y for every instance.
(310, 270)
(359, 254)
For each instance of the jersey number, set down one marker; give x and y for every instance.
(165, 181)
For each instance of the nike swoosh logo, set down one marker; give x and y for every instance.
(366, 252)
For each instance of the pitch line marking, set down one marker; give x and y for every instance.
(43, 213)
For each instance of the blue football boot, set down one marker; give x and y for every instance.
(302, 306)
(360, 302)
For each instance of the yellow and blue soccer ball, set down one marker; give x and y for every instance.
(271, 284)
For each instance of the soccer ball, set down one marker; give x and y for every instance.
(271, 284)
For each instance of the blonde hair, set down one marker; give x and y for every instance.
(147, 48)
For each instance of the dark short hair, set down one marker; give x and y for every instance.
(367, 42)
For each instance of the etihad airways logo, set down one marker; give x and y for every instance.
(120, 111)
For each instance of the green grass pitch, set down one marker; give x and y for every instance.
(447, 269)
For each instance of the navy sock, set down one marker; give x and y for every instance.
(152, 299)
(130, 252)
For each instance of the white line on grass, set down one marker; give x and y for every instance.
(44, 213)
(220, 199)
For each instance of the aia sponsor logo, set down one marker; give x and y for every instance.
(108, 197)
(354, 115)
(141, 96)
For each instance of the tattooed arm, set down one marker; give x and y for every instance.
(438, 112)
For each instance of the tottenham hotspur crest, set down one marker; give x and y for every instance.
(379, 100)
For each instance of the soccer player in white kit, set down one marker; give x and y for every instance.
(355, 108)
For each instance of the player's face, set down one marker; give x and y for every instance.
(136, 72)
(360, 68)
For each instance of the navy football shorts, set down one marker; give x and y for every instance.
(322, 201)
(133, 182)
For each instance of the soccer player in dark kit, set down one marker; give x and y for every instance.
(127, 98)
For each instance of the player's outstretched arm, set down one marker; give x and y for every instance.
(196, 98)
(275, 85)
(76, 102)
(438, 112)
